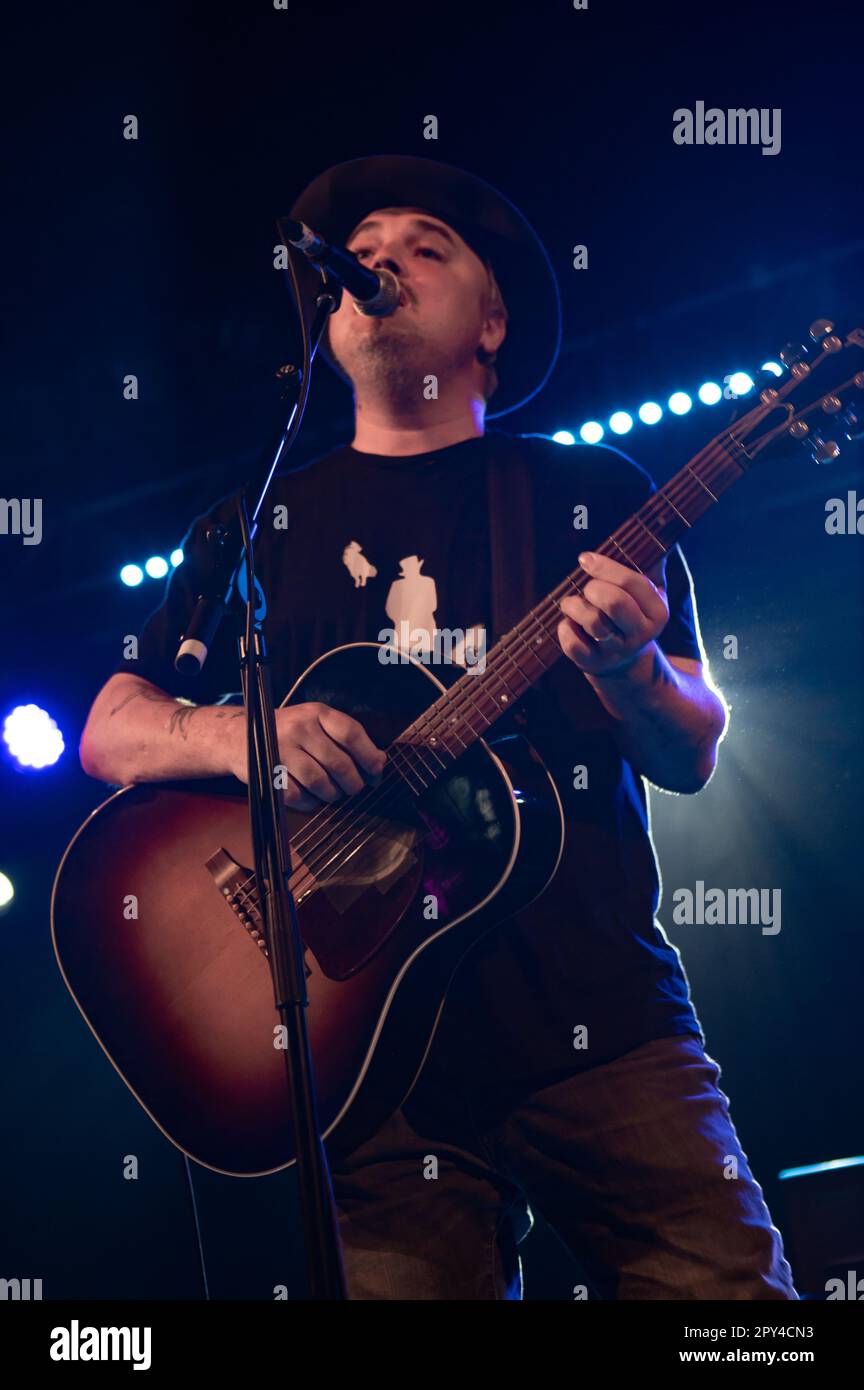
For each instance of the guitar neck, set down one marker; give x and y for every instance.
(516, 662)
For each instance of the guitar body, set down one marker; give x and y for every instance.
(150, 935)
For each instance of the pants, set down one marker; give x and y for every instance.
(635, 1164)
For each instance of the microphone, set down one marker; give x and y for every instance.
(375, 292)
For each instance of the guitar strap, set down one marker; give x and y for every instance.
(511, 531)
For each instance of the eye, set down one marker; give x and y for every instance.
(359, 251)
(429, 251)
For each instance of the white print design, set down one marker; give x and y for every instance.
(411, 603)
(357, 565)
(412, 600)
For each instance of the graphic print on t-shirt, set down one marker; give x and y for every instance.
(411, 605)
(357, 565)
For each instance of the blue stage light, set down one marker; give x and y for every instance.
(156, 567)
(176, 557)
(679, 402)
(131, 575)
(563, 437)
(827, 1167)
(710, 393)
(7, 892)
(592, 432)
(773, 367)
(620, 422)
(32, 736)
(740, 383)
(650, 413)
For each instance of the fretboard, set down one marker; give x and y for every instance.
(521, 656)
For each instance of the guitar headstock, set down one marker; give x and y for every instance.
(818, 400)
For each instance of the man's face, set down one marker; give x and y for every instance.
(444, 313)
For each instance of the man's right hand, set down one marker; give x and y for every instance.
(326, 755)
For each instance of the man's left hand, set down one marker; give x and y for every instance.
(606, 628)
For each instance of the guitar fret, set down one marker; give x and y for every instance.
(630, 561)
(705, 486)
(650, 534)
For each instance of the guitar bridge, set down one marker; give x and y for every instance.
(238, 888)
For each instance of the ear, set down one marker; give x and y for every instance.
(494, 329)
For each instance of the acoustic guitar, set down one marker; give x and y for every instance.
(393, 885)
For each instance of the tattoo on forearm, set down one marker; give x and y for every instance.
(155, 697)
(180, 719)
(181, 713)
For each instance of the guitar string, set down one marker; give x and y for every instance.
(548, 608)
(463, 700)
(378, 794)
(565, 585)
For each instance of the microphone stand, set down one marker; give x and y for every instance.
(234, 573)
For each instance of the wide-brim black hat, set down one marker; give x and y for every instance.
(337, 200)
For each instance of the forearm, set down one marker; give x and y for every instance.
(135, 732)
(669, 722)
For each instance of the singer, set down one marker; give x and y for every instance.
(568, 1071)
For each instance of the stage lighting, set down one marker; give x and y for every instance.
(740, 383)
(177, 555)
(156, 567)
(592, 432)
(32, 736)
(650, 413)
(710, 393)
(620, 422)
(679, 402)
(773, 367)
(560, 437)
(7, 892)
(827, 1167)
(131, 575)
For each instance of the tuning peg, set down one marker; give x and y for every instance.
(831, 404)
(820, 328)
(792, 353)
(824, 450)
(799, 430)
(850, 422)
(827, 452)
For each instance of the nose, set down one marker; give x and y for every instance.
(384, 261)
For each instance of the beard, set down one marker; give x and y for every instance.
(392, 359)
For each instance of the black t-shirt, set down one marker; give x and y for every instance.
(354, 544)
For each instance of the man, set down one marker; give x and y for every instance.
(568, 1068)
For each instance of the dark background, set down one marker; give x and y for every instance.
(154, 257)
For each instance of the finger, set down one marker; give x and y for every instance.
(295, 797)
(299, 800)
(589, 618)
(339, 765)
(640, 587)
(312, 777)
(575, 643)
(351, 735)
(619, 607)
